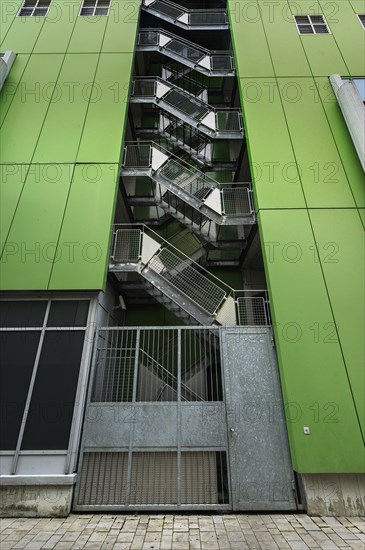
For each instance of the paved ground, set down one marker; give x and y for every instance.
(167, 532)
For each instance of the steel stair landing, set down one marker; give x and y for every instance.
(179, 283)
(214, 19)
(214, 122)
(229, 204)
(209, 63)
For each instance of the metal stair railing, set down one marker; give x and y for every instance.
(225, 204)
(207, 62)
(191, 287)
(167, 378)
(214, 122)
(188, 280)
(213, 19)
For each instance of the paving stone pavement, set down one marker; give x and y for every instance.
(185, 532)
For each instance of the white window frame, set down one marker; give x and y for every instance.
(362, 23)
(95, 7)
(34, 7)
(313, 25)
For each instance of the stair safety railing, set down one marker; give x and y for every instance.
(210, 63)
(225, 204)
(215, 122)
(195, 290)
(213, 19)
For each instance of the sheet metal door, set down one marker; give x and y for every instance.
(259, 459)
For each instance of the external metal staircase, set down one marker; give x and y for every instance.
(214, 19)
(215, 123)
(180, 135)
(174, 109)
(179, 283)
(179, 186)
(209, 63)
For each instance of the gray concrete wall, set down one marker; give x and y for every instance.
(35, 500)
(334, 494)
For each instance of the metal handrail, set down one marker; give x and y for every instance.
(209, 179)
(170, 375)
(229, 291)
(183, 9)
(186, 42)
(205, 105)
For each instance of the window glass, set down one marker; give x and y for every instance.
(51, 408)
(17, 355)
(34, 8)
(22, 314)
(311, 24)
(68, 313)
(95, 7)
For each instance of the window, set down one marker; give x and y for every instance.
(40, 341)
(92, 8)
(361, 16)
(34, 8)
(311, 24)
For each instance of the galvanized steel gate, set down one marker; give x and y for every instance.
(184, 418)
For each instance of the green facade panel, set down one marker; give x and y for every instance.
(58, 26)
(126, 13)
(288, 56)
(347, 32)
(342, 258)
(85, 234)
(29, 108)
(107, 110)
(349, 158)
(30, 248)
(251, 61)
(22, 34)
(317, 305)
(323, 178)
(62, 128)
(11, 84)
(88, 34)
(273, 165)
(8, 12)
(65, 101)
(323, 54)
(316, 389)
(12, 177)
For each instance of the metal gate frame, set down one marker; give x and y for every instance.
(214, 415)
(253, 359)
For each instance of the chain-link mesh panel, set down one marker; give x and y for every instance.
(198, 186)
(166, 8)
(221, 62)
(236, 201)
(252, 311)
(138, 156)
(144, 88)
(228, 121)
(207, 18)
(187, 105)
(148, 38)
(127, 245)
(185, 51)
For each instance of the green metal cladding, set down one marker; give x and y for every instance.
(309, 192)
(62, 117)
(63, 111)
